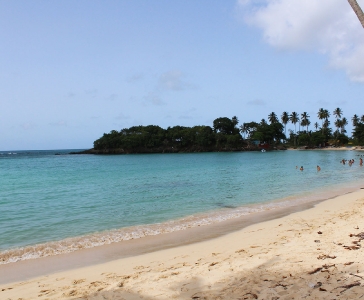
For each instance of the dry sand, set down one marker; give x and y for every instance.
(311, 254)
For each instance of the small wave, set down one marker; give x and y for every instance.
(113, 236)
(118, 235)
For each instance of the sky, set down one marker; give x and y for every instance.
(71, 71)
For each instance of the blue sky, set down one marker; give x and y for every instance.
(73, 70)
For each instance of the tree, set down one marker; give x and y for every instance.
(272, 118)
(343, 123)
(250, 128)
(316, 125)
(225, 125)
(337, 112)
(243, 129)
(235, 120)
(356, 8)
(358, 133)
(304, 120)
(355, 120)
(285, 120)
(271, 133)
(323, 115)
(294, 119)
(338, 123)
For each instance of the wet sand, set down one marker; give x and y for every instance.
(314, 253)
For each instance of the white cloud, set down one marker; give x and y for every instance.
(173, 80)
(327, 26)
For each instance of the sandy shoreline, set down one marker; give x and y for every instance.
(307, 254)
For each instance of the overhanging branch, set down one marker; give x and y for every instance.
(356, 8)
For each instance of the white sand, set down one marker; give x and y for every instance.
(308, 254)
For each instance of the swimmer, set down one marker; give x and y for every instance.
(318, 168)
(301, 169)
(361, 162)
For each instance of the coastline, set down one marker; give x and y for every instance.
(354, 148)
(276, 251)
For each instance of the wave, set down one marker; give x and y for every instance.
(72, 244)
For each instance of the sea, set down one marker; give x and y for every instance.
(54, 202)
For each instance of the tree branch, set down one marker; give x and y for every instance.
(356, 8)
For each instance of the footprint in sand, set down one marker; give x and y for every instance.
(59, 279)
(70, 293)
(78, 281)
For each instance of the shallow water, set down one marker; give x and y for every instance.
(54, 204)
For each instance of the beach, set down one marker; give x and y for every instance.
(315, 253)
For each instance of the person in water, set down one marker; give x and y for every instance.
(301, 169)
(318, 168)
(361, 161)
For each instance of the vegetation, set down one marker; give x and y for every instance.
(225, 135)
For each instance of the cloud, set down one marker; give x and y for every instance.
(256, 102)
(326, 26)
(173, 81)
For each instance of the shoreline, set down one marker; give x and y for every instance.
(27, 269)
(187, 234)
(215, 259)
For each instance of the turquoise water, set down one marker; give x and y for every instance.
(54, 204)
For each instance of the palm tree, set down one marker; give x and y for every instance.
(263, 122)
(244, 129)
(316, 125)
(356, 8)
(344, 122)
(362, 118)
(355, 120)
(294, 119)
(337, 123)
(285, 120)
(326, 124)
(304, 120)
(272, 118)
(321, 116)
(337, 113)
(235, 120)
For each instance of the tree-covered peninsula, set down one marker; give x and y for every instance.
(226, 135)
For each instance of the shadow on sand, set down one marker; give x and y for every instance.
(326, 281)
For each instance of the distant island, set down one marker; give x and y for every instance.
(225, 135)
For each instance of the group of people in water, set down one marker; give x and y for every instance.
(343, 161)
(351, 161)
